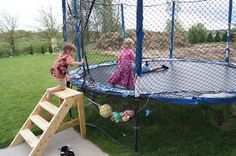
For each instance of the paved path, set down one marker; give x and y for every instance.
(81, 147)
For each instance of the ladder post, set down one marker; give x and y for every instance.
(60, 102)
(80, 107)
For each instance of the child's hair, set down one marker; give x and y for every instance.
(128, 42)
(68, 46)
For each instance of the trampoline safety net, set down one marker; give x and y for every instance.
(192, 38)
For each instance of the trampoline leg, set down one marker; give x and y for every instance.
(68, 84)
(136, 126)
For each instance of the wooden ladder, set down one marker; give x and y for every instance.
(49, 126)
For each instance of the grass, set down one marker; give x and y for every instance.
(99, 57)
(175, 130)
(25, 39)
(172, 130)
(24, 79)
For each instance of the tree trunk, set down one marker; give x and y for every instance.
(12, 45)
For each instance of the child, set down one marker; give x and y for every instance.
(124, 76)
(147, 69)
(59, 69)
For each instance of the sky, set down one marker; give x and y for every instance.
(27, 11)
(212, 13)
(154, 17)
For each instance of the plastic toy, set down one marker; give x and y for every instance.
(127, 115)
(116, 116)
(148, 113)
(105, 111)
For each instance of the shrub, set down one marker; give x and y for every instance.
(4, 54)
(42, 50)
(217, 37)
(202, 38)
(31, 50)
(50, 49)
(210, 37)
(224, 37)
(197, 33)
(193, 38)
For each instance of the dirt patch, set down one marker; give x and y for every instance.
(152, 40)
(156, 45)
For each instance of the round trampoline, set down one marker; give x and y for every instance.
(185, 82)
(201, 70)
(192, 38)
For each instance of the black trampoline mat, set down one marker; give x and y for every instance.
(183, 76)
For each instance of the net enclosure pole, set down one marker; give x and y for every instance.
(77, 29)
(140, 35)
(172, 30)
(138, 64)
(122, 22)
(229, 32)
(65, 35)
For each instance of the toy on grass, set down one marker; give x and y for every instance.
(122, 116)
(148, 113)
(116, 116)
(105, 111)
(127, 115)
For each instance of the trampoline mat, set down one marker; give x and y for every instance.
(183, 79)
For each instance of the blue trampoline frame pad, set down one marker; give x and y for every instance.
(187, 81)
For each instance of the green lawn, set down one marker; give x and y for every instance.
(175, 130)
(23, 79)
(24, 40)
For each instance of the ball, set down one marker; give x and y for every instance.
(105, 111)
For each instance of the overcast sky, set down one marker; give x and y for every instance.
(27, 11)
(212, 12)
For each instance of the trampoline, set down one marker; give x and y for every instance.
(178, 34)
(185, 82)
(198, 73)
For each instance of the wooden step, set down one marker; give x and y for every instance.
(66, 93)
(38, 144)
(49, 107)
(29, 137)
(39, 121)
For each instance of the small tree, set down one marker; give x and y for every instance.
(197, 33)
(217, 37)
(210, 37)
(193, 38)
(42, 50)
(178, 26)
(8, 26)
(224, 37)
(49, 25)
(107, 17)
(50, 49)
(31, 50)
(202, 38)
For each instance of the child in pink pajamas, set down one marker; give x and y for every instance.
(124, 76)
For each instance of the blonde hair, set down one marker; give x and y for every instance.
(128, 43)
(68, 46)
